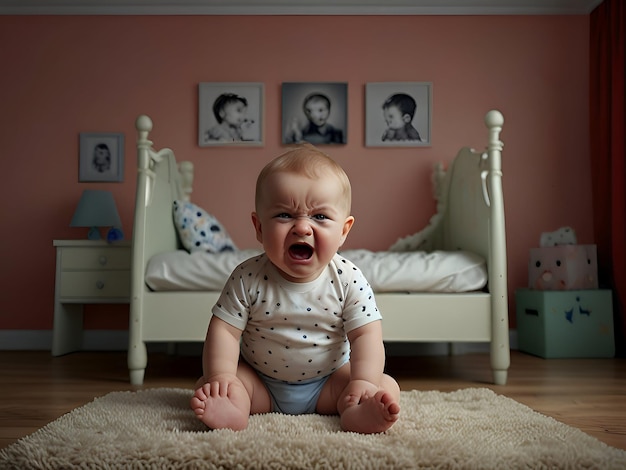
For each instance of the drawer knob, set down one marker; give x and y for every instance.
(103, 260)
(100, 285)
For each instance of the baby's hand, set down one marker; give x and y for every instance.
(296, 133)
(358, 390)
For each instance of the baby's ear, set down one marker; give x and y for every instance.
(406, 118)
(347, 225)
(257, 227)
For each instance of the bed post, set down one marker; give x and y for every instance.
(137, 355)
(500, 351)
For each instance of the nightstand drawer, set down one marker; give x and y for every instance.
(95, 284)
(95, 258)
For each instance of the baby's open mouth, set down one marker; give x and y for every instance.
(300, 251)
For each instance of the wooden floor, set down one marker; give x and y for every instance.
(589, 394)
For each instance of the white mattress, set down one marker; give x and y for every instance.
(386, 271)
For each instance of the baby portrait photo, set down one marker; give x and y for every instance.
(398, 114)
(230, 114)
(316, 113)
(101, 157)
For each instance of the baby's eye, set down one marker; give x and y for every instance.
(283, 215)
(320, 217)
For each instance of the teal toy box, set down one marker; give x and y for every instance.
(571, 323)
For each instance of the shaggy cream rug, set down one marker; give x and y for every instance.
(471, 428)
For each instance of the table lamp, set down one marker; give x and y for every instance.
(96, 209)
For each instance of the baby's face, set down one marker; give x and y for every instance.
(394, 118)
(317, 112)
(101, 155)
(301, 223)
(234, 113)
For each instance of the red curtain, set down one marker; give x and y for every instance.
(608, 153)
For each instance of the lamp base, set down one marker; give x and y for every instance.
(94, 234)
(115, 235)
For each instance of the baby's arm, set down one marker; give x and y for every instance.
(367, 361)
(370, 402)
(367, 353)
(220, 354)
(221, 400)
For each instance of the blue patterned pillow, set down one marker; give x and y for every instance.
(200, 231)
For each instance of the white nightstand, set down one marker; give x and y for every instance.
(87, 272)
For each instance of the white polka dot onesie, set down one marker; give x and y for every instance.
(296, 331)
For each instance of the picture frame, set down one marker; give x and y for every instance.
(101, 157)
(387, 124)
(241, 103)
(302, 103)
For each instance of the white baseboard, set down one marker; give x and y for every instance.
(117, 340)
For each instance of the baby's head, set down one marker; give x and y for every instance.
(309, 161)
(316, 108)
(230, 107)
(302, 213)
(101, 157)
(398, 110)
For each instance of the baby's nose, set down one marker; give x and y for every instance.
(302, 226)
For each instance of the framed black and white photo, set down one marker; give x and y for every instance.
(101, 157)
(315, 112)
(230, 114)
(398, 114)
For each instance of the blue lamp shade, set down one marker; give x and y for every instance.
(96, 208)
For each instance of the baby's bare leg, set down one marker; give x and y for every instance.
(226, 402)
(221, 403)
(371, 415)
(374, 414)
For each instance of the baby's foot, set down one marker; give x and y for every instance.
(222, 405)
(372, 415)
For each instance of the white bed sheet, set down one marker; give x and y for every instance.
(386, 271)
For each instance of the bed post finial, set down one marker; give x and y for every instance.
(143, 124)
(494, 121)
(494, 118)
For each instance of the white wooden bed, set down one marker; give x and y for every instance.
(470, 217)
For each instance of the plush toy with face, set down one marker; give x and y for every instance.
(563, 267)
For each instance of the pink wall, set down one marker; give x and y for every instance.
(65, 75)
